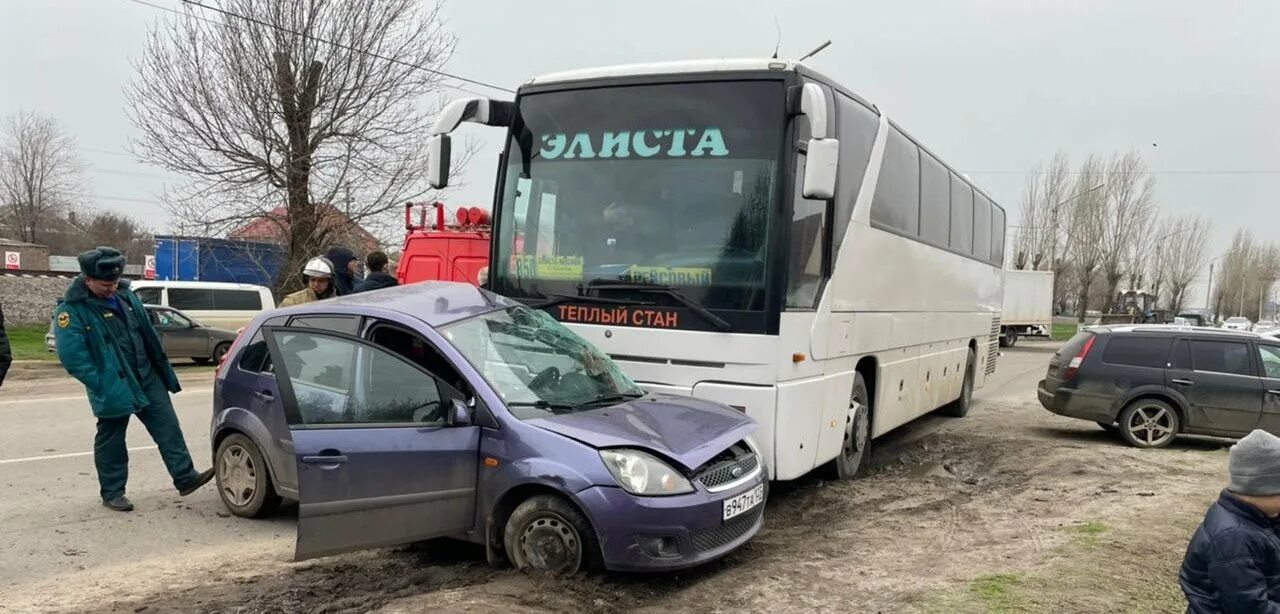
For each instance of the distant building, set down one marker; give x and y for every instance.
(274, 227)
(31, 256)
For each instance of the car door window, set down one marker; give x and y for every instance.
(337, 380)
(1270, 356)
(1221, 357)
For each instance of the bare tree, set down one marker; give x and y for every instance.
(1183, 255)
(1087, 228)
(1130, 205)
(1029, 248)
(290, 107)
(40, 173)
(1236, 265)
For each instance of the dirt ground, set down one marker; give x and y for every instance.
(1011, 509)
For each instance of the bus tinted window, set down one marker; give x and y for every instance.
(857, 131)
(997, 236)
(897, 200)
(961, 215)
(935, 201)
(981, 227)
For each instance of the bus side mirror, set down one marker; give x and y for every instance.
(438, 154)
(820, 167)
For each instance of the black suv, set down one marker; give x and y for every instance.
(1151, 383)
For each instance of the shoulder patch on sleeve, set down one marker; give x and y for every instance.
(64, 319)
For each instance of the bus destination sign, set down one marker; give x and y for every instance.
(622, 315)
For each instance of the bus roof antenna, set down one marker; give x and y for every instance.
(815, 51)
(778, 44)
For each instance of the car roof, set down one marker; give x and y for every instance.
(437, 303)
(208, 285)
(1171, 329)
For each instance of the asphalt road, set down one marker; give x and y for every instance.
(56, 533)
(54, 524)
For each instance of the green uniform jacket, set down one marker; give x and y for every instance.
(90, 352)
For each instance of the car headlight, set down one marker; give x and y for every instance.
(640, 473)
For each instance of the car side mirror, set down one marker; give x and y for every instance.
(459, 413)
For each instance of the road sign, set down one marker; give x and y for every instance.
(149, 267)
(12, 261)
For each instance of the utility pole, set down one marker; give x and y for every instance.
(1208, 294)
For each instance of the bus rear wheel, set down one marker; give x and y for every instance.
(960, 407)
(855, 448)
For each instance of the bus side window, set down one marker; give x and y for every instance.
(896, 204)
(857, 126)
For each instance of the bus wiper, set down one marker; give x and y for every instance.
(706, 314)
(556, 299)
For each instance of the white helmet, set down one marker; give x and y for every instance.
(318, 267)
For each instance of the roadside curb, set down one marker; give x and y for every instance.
(22, 370)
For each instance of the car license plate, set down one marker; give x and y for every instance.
(743, 502)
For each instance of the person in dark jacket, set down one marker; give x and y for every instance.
(345, 263)
(376, 277)
(1233, 561)
(106, 340)
(6, 354)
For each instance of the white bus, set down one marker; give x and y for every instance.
(751, 232)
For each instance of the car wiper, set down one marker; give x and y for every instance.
(706, 314)
(555, 408)
(555, 299)
(612, 399)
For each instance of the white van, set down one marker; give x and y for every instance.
(220, 304)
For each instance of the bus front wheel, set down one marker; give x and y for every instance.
(856, 446)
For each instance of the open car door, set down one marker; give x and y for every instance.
(381, 458)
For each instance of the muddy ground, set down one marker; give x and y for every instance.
(1011, 509)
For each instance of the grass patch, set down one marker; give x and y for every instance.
(999, 592)
(28, 342)
(1062, 332)
(1088, 534)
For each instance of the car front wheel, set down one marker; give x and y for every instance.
(243, 481)
(1148, 423)
(547, 535)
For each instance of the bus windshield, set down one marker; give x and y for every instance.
(670, 185)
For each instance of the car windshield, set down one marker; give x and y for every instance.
(537, 365)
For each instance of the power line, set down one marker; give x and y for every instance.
(347, 47)
(218, 23)
(124, 199)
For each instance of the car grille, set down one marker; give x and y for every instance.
(993, 346)
(728, 471)
(710, 539)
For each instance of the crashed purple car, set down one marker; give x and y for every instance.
(443, 410)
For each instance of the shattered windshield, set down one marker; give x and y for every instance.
(537, 365)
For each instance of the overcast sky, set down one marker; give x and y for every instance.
(992, 87)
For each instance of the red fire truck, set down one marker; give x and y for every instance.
(451, 252)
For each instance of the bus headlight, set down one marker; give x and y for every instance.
(640, 473)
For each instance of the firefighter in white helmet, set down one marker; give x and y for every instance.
(319, 275)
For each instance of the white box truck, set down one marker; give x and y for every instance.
(1028, 305)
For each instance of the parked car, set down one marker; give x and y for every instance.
(1153, 383)
(217, 303)
(181, 335)
(441, 409)
(1238, 323)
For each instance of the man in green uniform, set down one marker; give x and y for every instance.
(106, 341)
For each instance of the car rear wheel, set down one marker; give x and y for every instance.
(1149, 423)
(242, 477)
(547, 535)
(856, 445)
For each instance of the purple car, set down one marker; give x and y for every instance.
(440, 409)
